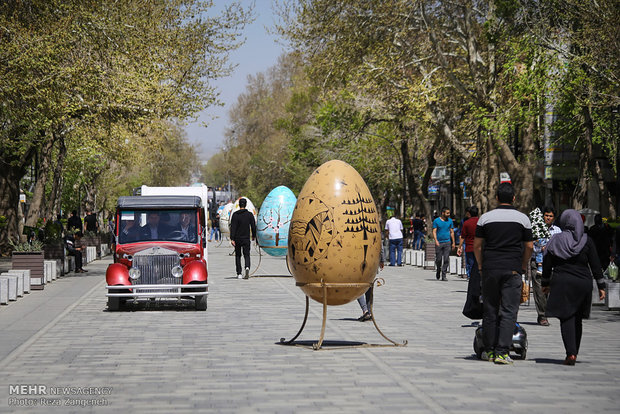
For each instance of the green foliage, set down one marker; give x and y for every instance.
(52, 232)
(34, 246)
(107, 81)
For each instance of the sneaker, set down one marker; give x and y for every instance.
(239, 276)
(488, 356)
(445, 279)
(542, 321)
(365, 317)
(503, 359)
(247, 273)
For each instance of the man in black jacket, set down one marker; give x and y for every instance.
(74, 223)
(242, 230)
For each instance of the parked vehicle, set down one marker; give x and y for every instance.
(160, 251)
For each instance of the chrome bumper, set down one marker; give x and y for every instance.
(157, 291)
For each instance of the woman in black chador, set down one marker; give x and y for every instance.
(570, 262)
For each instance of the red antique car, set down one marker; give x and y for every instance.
(160, 251)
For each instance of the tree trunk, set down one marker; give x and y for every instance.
(53, 206)
(9, 205)
(37, 205)
(525, 189)
(580, 193)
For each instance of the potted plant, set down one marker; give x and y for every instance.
(53, 245)
(30, 256)
(429, 252)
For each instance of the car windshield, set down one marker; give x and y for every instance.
(161, 225)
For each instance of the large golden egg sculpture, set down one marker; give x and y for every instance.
(334, 236)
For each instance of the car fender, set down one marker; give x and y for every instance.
(195, 271)
(117, 274)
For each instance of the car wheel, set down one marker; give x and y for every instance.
(114, 304)
(201, 302)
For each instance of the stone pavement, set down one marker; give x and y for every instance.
(165, 358)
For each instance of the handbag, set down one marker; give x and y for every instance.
(525, 289)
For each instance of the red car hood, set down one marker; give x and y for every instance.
(133, 248)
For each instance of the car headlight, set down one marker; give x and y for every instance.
(134, 273)
(177, 271)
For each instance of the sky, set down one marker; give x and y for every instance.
(259, 52)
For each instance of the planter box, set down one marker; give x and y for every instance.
(429, 253)
(34, 262)
(55, 252)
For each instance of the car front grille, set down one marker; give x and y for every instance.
(156, 269)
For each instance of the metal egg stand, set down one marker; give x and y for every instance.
(319, 344)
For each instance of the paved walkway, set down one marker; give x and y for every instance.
(165, 358)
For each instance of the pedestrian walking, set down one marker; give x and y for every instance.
(602, 237)
(394, 230)
(503, 247)
(542, 233)
(443, 233)
(215, 227)
(568, 267)
(365, 301)
(418, 232)
(242, 230)
(90, 220)
(74, 223)
(467, 239)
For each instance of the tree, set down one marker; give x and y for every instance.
(85, 64)
(582, 39)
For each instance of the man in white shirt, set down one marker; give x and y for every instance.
(540, 299)
(394, 230)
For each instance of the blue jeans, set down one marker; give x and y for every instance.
(396, 245)
(470, 259)
(417, 239)
(215, 231)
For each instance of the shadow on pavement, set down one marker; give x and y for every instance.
(258, 276)
(331, 344)
(548, 361)
(184, 305)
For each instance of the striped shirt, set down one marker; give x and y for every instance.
(504, 231)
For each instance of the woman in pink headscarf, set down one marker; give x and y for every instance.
(568, 266)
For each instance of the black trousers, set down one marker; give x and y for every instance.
(571, 329)
(501, 294)
(78, 258)
(242, 246)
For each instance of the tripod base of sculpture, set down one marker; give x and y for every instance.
(319, 344)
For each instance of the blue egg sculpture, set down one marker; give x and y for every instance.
(274, 219)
